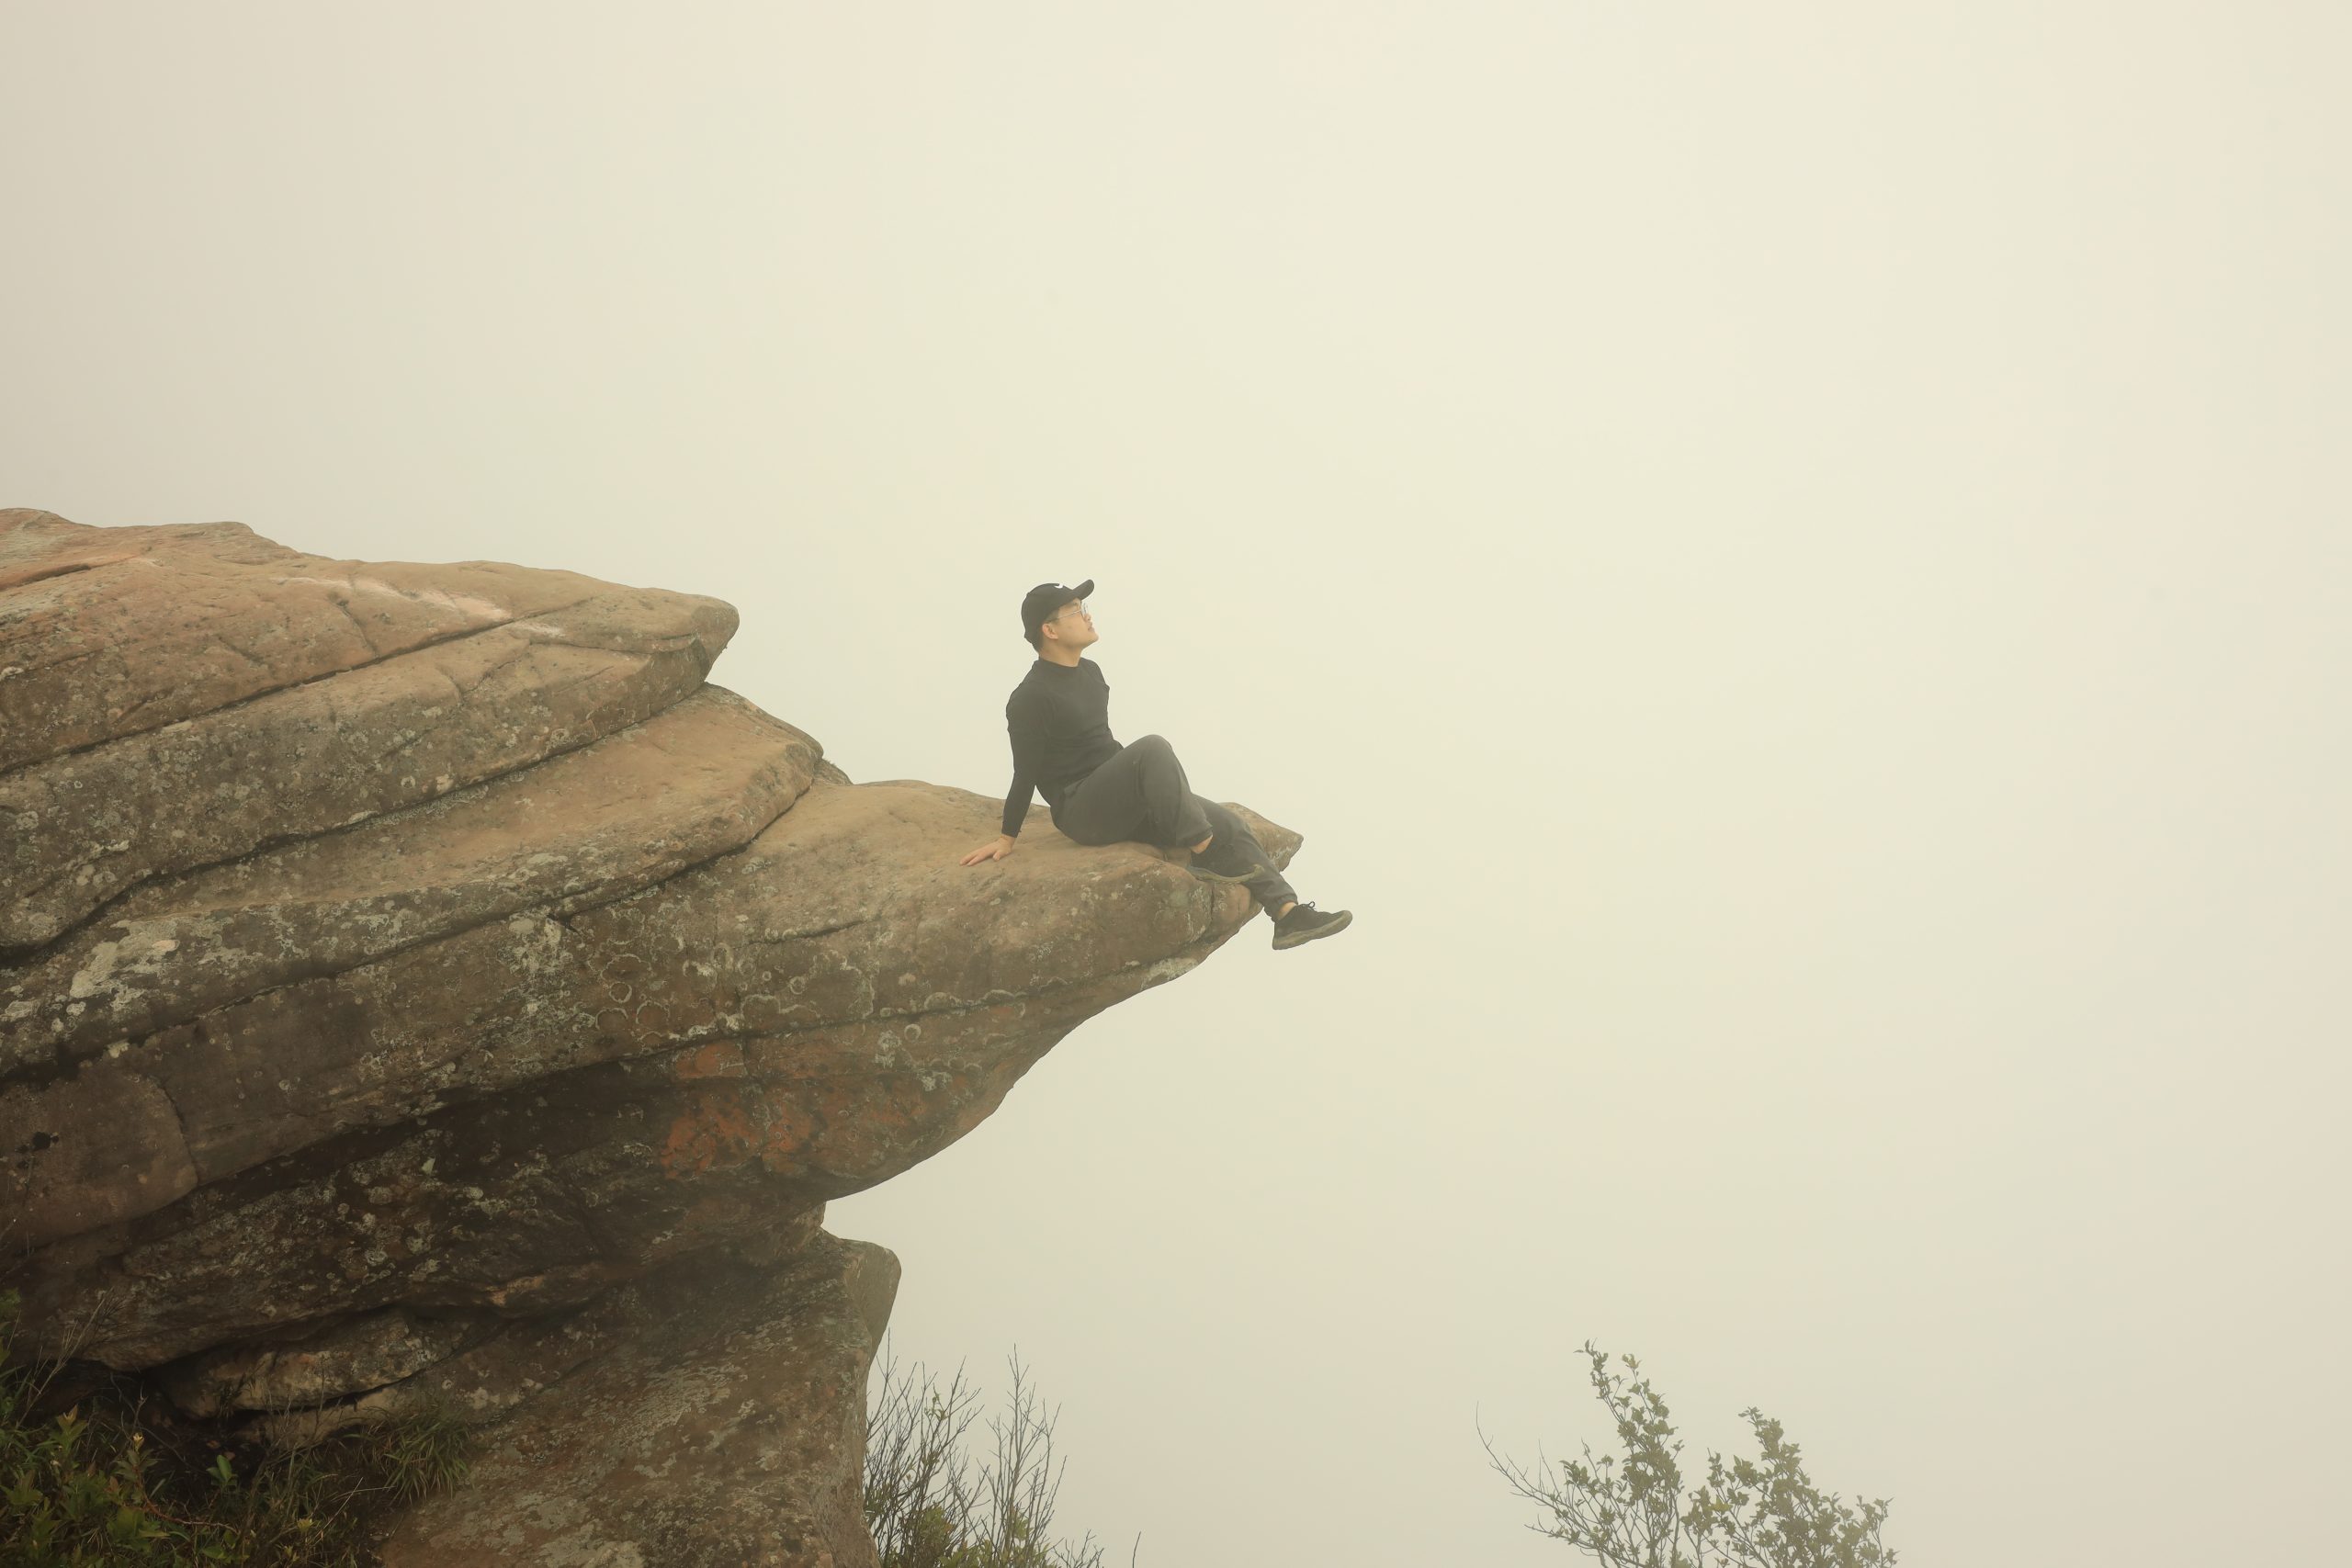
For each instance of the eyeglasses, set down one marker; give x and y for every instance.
(1080, 607)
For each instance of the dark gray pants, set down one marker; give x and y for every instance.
(1142, 794)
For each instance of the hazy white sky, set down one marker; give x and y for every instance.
(1791, 562)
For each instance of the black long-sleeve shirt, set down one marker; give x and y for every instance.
(1059, 718)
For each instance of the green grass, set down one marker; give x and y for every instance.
(102, 1482)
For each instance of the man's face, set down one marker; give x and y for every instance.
(1072, 626)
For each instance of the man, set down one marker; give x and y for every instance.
(1103, 793)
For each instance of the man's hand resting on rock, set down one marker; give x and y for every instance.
(995, 848)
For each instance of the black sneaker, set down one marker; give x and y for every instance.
(1305, 922)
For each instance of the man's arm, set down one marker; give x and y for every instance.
(1016, 802)
(1018, 727)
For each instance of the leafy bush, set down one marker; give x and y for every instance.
(89, 1486)
(930, 1506)
(1746, 1514)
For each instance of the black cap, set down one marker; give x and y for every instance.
(1037, 606)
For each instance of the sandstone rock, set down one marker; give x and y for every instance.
(526, 1356)
(101, 1145)
(107, 632)
(388, 735)
(733, 1431)
(787, 1025)
(364, 1353)
(688, 784)
(418, 988)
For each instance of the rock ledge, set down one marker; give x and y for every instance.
(418, 986)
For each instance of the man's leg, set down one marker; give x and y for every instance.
(1141, 794)
(1237, 852)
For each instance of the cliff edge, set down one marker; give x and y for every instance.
(418, 984)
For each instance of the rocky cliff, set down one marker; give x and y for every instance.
(417, 984)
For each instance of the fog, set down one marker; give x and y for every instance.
(1790, 563)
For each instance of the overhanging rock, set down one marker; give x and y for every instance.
(412, 977)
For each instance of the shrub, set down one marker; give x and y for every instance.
(89, 1486)
(929, 1504)
(1763, 1512)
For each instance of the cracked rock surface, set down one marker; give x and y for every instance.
(419, 988)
